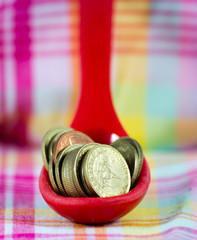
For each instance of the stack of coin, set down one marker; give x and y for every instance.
(79, 167)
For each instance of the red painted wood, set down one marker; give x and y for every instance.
(95, 114)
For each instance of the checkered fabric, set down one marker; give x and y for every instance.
(153, 69)
(168, 211)
(153, 79)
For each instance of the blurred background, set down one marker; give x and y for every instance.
(153, 69)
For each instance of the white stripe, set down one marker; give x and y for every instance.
(49, 7)
(50, 46)
(49, 20)
(115, 230)
(90, 230)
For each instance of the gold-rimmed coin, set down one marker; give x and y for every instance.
(51, 164)
(66, 175)
(58, 166)
(84, 183)
(138, 160)
(106, 171)
(77, 164)
(46, 140)
(72, 169)
(69, 138)
(127, 151)
(130, 154)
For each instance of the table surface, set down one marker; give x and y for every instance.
(168, 211)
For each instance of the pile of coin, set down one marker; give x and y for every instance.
(79, 167)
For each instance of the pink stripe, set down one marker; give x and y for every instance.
(165, 52)
(167, 13)
(23, 74)
(41, 28)
(170, 231)
(3, 188)
(22, 41)
(23, 200)
(179, 26)
(2, 83)
(2, 80)
(57, 14)
(7, 5)
(3, 122)
(62, 39)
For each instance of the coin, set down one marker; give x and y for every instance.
(51, 164)
(69, 138)
(138, 160)
(127, 151)
(84, 183)
(130, 154)
(58, 166)
(46, 140)
(106, 171)
(73, 167)
(66, 175)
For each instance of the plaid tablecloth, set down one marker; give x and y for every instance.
(168, 211)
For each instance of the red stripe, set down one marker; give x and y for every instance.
(23, 75)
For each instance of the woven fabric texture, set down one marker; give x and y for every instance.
(168, 211)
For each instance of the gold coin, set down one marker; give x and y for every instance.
(76, 166)
(106, 171)
(139, 159)
(85, 185)
(51, 164)
(130, 154)
(71, 171)
(58, 165)
(46, 140)
(66, 175)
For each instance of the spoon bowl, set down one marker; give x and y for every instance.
(94, 210)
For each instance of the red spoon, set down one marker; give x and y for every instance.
(96, 117)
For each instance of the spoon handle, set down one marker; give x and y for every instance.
(95, 109)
